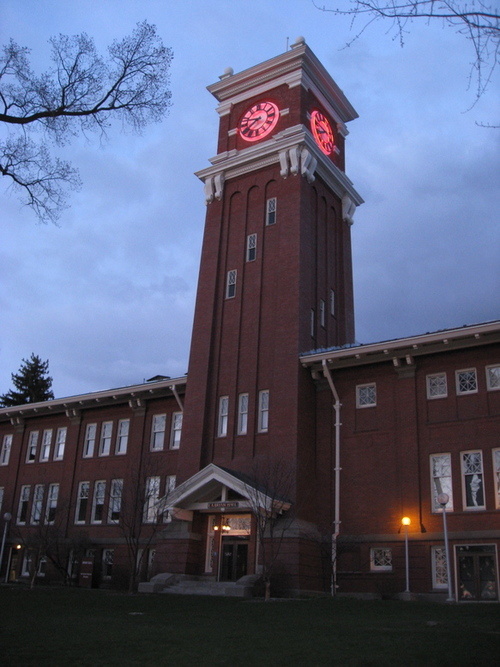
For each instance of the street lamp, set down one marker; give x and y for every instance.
(406, 522)
(6, 517)
(443, 499)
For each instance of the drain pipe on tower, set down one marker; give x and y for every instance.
(336, 523)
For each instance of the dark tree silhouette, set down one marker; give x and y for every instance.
(32, 383)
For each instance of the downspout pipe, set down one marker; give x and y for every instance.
(173, 389)
(336, 522)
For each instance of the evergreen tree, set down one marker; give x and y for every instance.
(32, 383)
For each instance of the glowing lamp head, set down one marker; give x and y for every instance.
(406, 521)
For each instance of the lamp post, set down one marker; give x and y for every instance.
(443, 499)
(6, 517)
(406, 522)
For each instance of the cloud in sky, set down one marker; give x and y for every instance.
(108, 296)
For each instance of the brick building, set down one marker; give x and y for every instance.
(300, 450)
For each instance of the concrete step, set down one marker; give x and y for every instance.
(192, 585)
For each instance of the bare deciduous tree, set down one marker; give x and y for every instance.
(82, 93)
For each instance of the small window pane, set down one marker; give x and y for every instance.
(251, 247)
(231, 284)
(271, 211)
(472, 479)
(366, 395)
(466, 381)
(437, 386)
(493, 377)
(380, 559)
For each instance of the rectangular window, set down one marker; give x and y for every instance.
(158, 432)
(1, 497)
(36, 508)
(60, 443)
(242, 414)
(106, 436)
(332, 302)
(82, 502)
(496, 472)
(223, 416)
(493, 377)
(32, 447)
(107, 563)
(472, 480)
(322, 307)
(312, 322)
(170, 484)
(231, 284)
(152, 495)
(98, 502)
(89, 444)
(46, 444)
(251, 247)
(122, 436)
(437, 386)
(466, 381)
(24, 499)
(6, 447)
(271, 211)
(175, 435)
(263, 424)
(50, 512)
(439, 568)
(366, 395)
(441, 480)
(115, 500)
(380, 559)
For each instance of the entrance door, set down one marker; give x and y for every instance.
(477, 573)
(234, 558)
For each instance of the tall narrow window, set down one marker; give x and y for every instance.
(251, 247)
(170, 484)
(98, 502)
(312, 323)
(82, 502)
(52, 496)
(366, 395)
(152, 495)
(175, 436)
(231, 284)
(332, 302)
(108, 556)
(242, 414)
(496, 472)
(36, 508)
(322, 313)
(441, 480)
(89, 444)
(271, 211)
(223, 416)
(1, 497)
(24, 499)
(122, 436)
(6, 447)
(263, 424)
(106, 435)
(60, 443)
(46, 444)
(32, 447)
(158, 432)
(437, 386)
(493, 377)
(472, 480)
(439, 568)
(466, 381)
(115, 500)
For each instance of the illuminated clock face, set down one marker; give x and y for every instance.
(322, 132)
(259, 121)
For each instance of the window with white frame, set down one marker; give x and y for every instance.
(466, 381)
(493, 377)
(472, 480)
(231, 283)
(271, 211)
(115, 500)
(60, 443)
(169, 487)
(332, 302)
(24, 499)
(36, 507)
(122, 436)
(152, 495)
(107, 563)
(6, 447)
(322, 310)
(366, 395)
(82, 502)
(437, 386)
(98, 502)
(242, 414)
(251, 247)
(106, 437)
(175, 435)
(380, 559)
(439, 568)
(90, 438)
(32, 447)
(223, 416)
(27, 563)
(52, 496)
(263, 423)
(46, 444)
(158, 432)
(441, 480)
(496, 473)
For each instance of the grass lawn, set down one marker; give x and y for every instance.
(58, 626)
